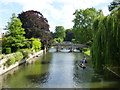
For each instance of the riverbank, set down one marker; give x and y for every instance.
(87, 52)
(4, 69)
(114, 70)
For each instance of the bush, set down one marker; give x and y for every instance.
(18, 56)
(25, 53)
(8, 50)
(36, 44)
(58, 40)
(10, 61)
(89, 43)
(85, 49)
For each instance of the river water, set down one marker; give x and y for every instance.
(58, 70)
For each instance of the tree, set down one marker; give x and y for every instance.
(59, 32)
(69, 35)
(36, 26)
(58, 40)
(106, 41)
(14, 37)
(114, 4)
(83, 24)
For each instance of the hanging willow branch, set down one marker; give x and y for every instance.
(106, 40)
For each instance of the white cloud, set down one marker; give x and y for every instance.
(62, 16)
(105, 11)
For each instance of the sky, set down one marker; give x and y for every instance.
(57, 12)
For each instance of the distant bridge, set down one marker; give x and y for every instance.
(69, 46)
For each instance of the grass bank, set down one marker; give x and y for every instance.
(86, 51)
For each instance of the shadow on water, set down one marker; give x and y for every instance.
(46, 59)
(40, 78)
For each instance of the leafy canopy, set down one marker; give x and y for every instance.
(69, 35)
(83, 22)
(59, 32)
(36, 26)
(14, 37)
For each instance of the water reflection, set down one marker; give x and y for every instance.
(40, 78)
(57, 70)
(63, 50)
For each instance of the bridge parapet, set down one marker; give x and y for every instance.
(71, 46)
(75, 45)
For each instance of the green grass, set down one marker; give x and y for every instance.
(87, 52)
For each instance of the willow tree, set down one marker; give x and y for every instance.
(106, 37)
(83, 22)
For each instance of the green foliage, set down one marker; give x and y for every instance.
(69, 35)
(8, 50)
(36, 44)
(89, 43)
(87, 52)
(59, 32)
(73, 40)
(85, 49)
(106, 37)
(10, 61)
(4, 45)
(18, 56)
(14, 37)
(58, 40)
(83, 22)
(25, 53)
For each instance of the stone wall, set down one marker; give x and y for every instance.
(4, 69)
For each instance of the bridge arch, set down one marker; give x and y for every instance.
(70, 46)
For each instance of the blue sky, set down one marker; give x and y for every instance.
(57, 12)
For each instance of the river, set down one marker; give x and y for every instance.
(58, 70)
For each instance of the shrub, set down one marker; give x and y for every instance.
(10, 61)
(25, 53)
(85, 49)
(58, 40)
(8, 50)
(36, 44)
(18, 56)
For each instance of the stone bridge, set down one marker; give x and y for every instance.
(69, 46)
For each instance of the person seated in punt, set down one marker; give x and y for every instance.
(82, 65)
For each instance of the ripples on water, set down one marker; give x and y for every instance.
(57, 70)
